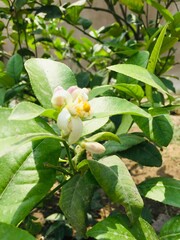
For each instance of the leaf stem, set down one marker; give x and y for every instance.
(69, 157)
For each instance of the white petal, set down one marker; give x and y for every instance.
(94, 147)
(76, 130)
(63, 121)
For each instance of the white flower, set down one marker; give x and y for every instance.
(93, 147)
(70, 126)
(73, 106)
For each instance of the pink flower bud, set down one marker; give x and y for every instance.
(60, 97)
(94, 147)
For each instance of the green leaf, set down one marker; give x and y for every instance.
(86, 23)
(134, 5)
(26, 111)
(141, 74)
(51, 11)
(164, 11)
(13, 133)
(160, 130)
(109, 106)
(24, 179)
(103, 136)
(145, 153)
(19, 4)
(8, 231)
(140, 59)
(15, 67)
(168, 43)
(2, 95)
(132, 90)
(125, 124)
(94, 124)
(45, 75)
(127, 141)
(97, 91)
(165, 190)
(156, 50)
(171, 229)
(114, 178)
(73, 11)
(118, 227)
(75, 199)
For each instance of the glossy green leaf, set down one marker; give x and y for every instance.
(145, 153)
(26, 111)
(73, 10)
(2, 95)
(114, 178)
(103, 136)
(165, 190)
(134, 5)
(126, 141)
(156, 50)
(14, 133)
(108, 106)
(6, 81)
(118, 227)
(94, 124)
(15, 66)
(45, 75)
(75, 199)
(168, 43)
(159, 130)
(25, 180)
(132, 90)
(141, 74)
(171, 229)
(164, 11)
(8, 231)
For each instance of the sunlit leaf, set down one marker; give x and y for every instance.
(118, 227)
(114, 178)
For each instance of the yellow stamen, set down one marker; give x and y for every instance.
(86, 107)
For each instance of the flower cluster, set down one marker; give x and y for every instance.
(73, 106)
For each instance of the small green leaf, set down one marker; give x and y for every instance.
(156, 50)
(50, 11)
(45, 75)
(26, 111)
(90, 126)
(24, 179)
(165, 190)
(141, 74)
(15, 67)
(75, 199)
(164, 11)
(132, 90)
(171, 229)
(134, 5)
(109, 106)
(8, 231)
(114, 178)
(73, 10)
(118, 227)
(159, 130)
(103, 136)
(140, 59)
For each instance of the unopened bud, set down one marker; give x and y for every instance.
(94, 147)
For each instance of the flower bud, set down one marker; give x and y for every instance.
(94, 147)
(60, 97)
